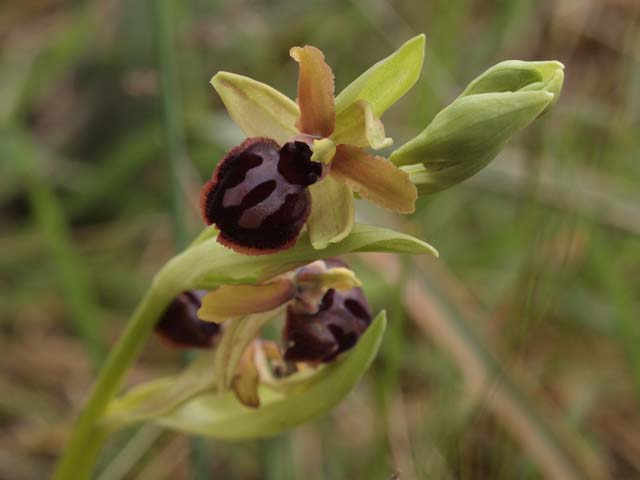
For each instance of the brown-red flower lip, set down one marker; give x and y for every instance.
(258, 195)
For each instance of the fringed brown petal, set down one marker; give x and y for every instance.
(315, 92)
(374, 178)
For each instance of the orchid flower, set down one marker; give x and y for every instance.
(326, 314)
(303, 160)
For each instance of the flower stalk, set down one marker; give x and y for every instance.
(88, 436)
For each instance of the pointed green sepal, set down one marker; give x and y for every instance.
(258, 109)
(161, 396)
(332, 212)
(385, 82)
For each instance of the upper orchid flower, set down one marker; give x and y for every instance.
(302, 161)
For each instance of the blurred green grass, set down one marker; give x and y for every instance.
(544, 242)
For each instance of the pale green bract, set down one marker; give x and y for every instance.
(208, 264)
(209, 413)
(161, 396)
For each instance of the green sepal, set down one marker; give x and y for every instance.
(385, 82)
(465, 136)
(222, 416)
(332, 212)
(258, 109)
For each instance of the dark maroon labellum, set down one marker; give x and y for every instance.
(341, 320)
(180, 325)
(258, 195)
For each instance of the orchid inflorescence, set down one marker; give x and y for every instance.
(281, 211)
(299, 168)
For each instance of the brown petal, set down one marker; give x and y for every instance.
(374, 178)
(315, 92)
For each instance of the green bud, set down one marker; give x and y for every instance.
(516, 75)
(466, 135)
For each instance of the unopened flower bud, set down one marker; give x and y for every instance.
(180, 325)
(516, 75)
(466, 135)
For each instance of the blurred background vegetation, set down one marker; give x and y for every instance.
(515, 355)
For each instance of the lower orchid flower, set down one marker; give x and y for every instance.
(326, 313)
(303, 161)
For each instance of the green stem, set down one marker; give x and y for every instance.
(88, 436)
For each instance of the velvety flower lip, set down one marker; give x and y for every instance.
(258, 195)
(336, 130)
(180, 326)
(341, 319)
(341, 315)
